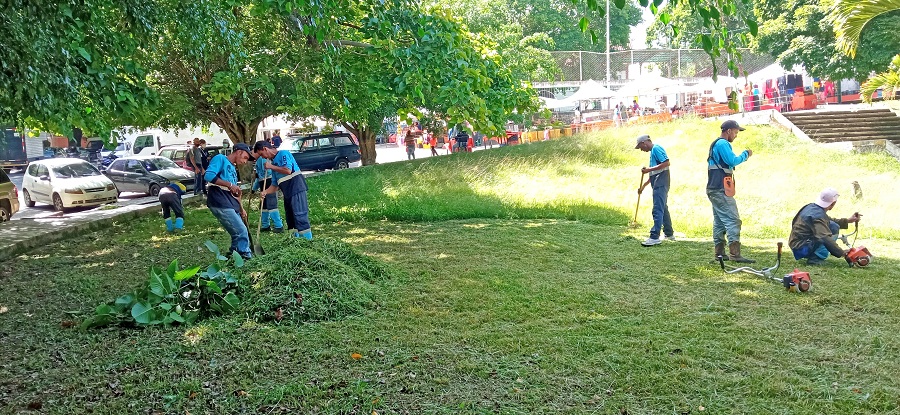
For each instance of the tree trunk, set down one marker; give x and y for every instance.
(240, 132)
(366, 138)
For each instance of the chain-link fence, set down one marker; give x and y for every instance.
(580, 66)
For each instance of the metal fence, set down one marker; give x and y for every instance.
(578, 66)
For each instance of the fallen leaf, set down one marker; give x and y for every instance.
(35, 405)
(3, 309)
(67, 324)
(279, 314)
(356, 356)
(241, 393)
(192, 395)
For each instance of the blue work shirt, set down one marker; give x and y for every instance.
(220, 167)
(261, 174)
(293, 185)
(721, 162)
(658, 178)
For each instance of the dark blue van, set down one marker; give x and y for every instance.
(323, 151)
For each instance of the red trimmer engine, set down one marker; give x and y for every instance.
(797, 281)
(859, 256)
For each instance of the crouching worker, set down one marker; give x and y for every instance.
(814, 234)
(223, 196)
(270, 201)
(170, 199)
(290, 180)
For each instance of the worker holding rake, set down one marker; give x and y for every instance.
(290, 180)
(659, 180)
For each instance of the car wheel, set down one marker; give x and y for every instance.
(154, 189)
(341, 164)
(58, 203)
(5, 213)
(27, 196)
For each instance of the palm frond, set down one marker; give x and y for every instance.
(888, 82)
(849, 17)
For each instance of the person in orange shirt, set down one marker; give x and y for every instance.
(432, 141)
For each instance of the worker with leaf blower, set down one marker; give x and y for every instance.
(223, 197)
(290, 180)
(720, 189)
(814, 234)
(270, 210)
(659, 181)
(170, 200)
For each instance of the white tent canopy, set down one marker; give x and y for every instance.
(771, 72)
(648, 84)
(589, 90)
(553, 104)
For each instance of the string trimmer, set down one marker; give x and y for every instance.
(859, 256)
(796, 281)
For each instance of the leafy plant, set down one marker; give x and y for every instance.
(175, 296)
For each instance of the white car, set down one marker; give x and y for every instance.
(66, 183)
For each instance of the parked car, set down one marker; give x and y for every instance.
(65, 183)
(178, 153)
(9, 197)
(323, 151)
(147, 174)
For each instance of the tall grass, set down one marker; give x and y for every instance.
(594, 178)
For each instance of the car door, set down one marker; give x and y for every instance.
(327, 153)
(116, 173)
(41, 184)
(136, 176)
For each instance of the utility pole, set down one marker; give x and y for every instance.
(607, 45)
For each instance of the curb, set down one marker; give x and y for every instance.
(55, 234)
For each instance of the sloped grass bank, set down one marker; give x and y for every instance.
(594, 178)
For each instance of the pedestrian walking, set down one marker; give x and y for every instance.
(170, 200)
(223, 197)
(410, 142)
(432, 142)
(720, 188)
(195, 162)
(287, 177)
(658, 180)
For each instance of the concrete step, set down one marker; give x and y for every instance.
(848, 128)
(852, 138)
(816, 114)
(850, 124)
(822, 120)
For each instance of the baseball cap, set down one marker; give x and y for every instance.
(727, 125)
(827, 197)
(641, 139)
(261, 145)
(245, 148)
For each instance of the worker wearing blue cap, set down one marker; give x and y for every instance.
(720, 190)
(223, 196)
(290, 180)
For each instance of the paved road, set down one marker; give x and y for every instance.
(386, 153)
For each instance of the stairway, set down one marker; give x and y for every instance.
(835, 126)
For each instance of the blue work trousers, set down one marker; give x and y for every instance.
(296, 211)
(234, 225)
(726, 219)
(661, 219)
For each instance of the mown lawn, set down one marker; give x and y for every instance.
(518, 288)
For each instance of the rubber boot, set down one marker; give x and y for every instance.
(307, 235)
(720, 252)
(169, 226)
(179, 224)
(734, 249)
(264, 221)
(277, 224)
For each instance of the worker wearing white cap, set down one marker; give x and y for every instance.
(814, 234)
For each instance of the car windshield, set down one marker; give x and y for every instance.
(71, 171)
(120, 147)
(158, 163)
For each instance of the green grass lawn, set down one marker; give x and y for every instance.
(517, 288)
